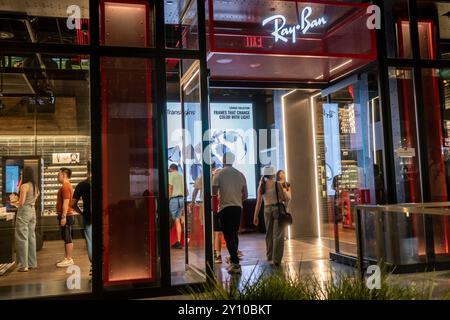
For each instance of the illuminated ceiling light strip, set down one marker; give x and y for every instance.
(313, 119)
(284, 130)
(284, 143)
(374, 131)
(335, 68)
(191, 79)
(341, 66)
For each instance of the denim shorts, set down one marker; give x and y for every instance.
(176, 205)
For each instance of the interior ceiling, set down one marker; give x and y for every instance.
(279, 68)
(45, 8)
(444, 19)
(238, 18)
(173, 11)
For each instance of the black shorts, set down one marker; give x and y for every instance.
(216, 223)
(66, 231)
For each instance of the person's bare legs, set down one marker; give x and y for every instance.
(178, 228)
(218, 242)
(69, 250)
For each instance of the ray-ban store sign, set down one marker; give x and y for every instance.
(286, 33)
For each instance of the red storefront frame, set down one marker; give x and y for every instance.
(105, 144)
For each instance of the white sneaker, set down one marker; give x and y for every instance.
(65, 263)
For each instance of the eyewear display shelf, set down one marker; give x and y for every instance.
(6, 241)
(50, 192)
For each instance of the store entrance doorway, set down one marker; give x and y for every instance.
(271, 127)
(328, 141)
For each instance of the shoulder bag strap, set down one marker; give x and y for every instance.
(278, 199)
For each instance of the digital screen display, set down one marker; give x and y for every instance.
(231, 130)
(193, 141)
(12, 178)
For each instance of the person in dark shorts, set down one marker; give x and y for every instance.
(65, 215)
(83, 192)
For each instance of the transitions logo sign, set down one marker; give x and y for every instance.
(282, 32)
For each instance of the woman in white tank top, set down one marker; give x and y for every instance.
(25, 236)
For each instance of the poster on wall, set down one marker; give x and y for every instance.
(65, 158)
(232, 130)
(193, 141)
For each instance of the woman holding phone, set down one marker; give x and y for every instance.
(25, 236)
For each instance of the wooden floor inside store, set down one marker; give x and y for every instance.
(47, 279)
(253, 246)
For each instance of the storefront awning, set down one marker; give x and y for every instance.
(287, 40)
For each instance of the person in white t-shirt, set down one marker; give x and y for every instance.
(231, 186)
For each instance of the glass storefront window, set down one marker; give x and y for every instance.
(398, 39)
(426, 40)
(130, 171)
(406, 156)
(351, 153)
(65, 22)
(434, 29)
(44, 126)
(185, 154)
(443, 9)
(127, 23)
(181, 24)
(403, 118)
(436, 95)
